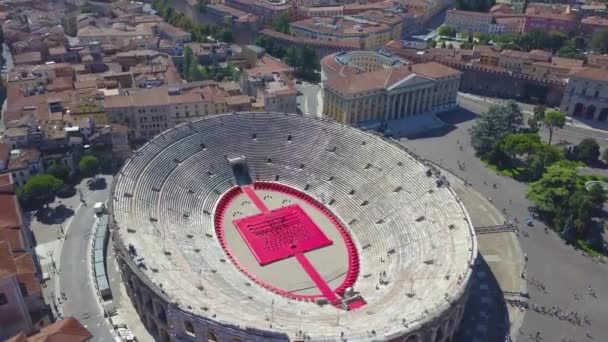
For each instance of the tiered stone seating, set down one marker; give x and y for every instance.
(165, 199)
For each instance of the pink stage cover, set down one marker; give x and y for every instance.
(280, 234)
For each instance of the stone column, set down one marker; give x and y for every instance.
(410, 98)
(387, 107)
(399, 101)
(415, 101)
(427, 104)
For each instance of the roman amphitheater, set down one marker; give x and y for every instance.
(281, 227)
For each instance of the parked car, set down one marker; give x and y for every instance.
(528, 221)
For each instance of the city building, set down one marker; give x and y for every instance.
(590, 25)
(471, 21)
(587, 95)
(370, 30)
(22, 163)
(492, 23)
(597, 60)
(265, 10)
(269, 80)
(360, 87)
(547, 19)
(22, 308)
(148, 111)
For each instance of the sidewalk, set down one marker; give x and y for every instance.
(498, 271)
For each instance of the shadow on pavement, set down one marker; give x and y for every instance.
(485, 316)
(457, 116)
(54, 215)
(450, 120)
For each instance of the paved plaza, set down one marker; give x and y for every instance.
(562, 270)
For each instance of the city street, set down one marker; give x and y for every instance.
(71, 275)
(569, 134)
(563, 271)
(308, 101)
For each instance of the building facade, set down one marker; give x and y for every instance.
(364, 87)
(370, 30)
(586, 95)
(546, 19)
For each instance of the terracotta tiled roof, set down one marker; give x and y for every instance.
(7, 265)
(595, 74)
(65, 330)
(18, 338)
(598, 21)
(540, 55)
(514, 54)
(26, 274)
(433, 70)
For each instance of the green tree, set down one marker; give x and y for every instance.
(597, 196)
(599, 41)
(553, 120)
(493, 125)
(466, 45)
(198, 73)
(475, 5)
(42, 187)
(443, 45)
(226, 36)
(431, 42)
(446, 31)
(201, 6)
(552, 192)
(281, 22)
(88, 165)
(58, 170)
(588, 150)
(543, 157)
(521, 144)
(188, 63)
(537, 118)
(605, 156)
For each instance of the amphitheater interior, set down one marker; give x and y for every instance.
(396, 245)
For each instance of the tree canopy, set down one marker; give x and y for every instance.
(552, 192)
(493, 125)
(42, 187)
(199, 32)
(446, 31)
(302, 58)
(475, 5)
(553, 120)
(88, 165)
(588, 151)
(599, 41)
(281, 22)
(58, 170)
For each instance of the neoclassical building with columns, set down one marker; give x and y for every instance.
(366, 86)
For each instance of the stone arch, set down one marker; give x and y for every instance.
(429, 336)
(590, 112)
(189, 328)
(603, 115)
(152, 327)
(450, 328)
(162, 316)
(578, 109)
(163, 336)
(211, 336)
(439, 335)
(412, 338)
